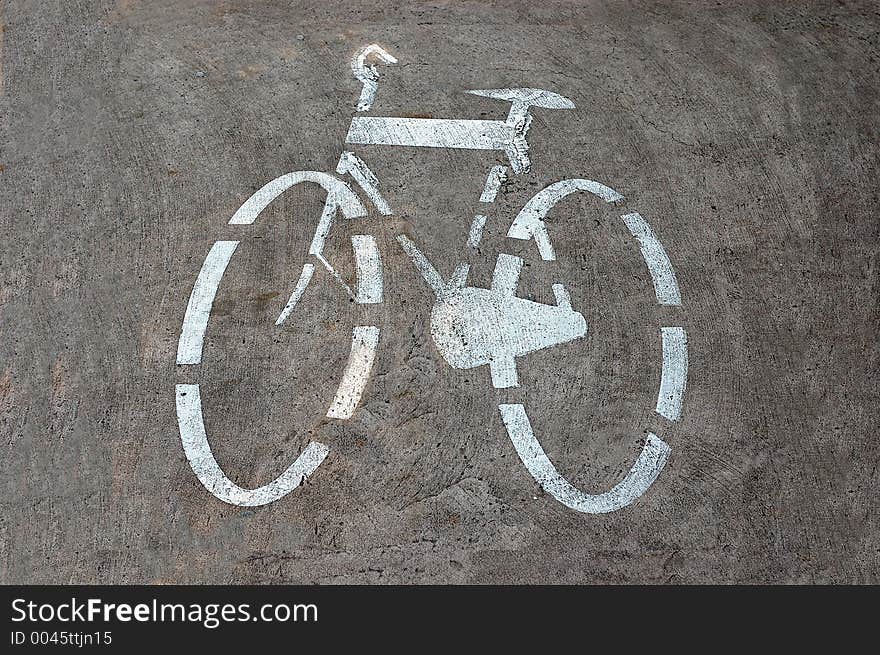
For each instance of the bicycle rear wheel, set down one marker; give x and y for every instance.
(364, 340)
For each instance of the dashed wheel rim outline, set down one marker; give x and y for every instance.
(638, 480)
(529, 224)
(364, 343)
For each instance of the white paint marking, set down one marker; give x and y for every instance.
(355, 166)
(322, 230)
(637, 481)
(508, 135)
(368, 75)
(459, 277)
(503, 372)
(505, 277)
(519, 118)
(496, 177)
(430, 132)
(338, 194)
(208, 471)
(563, 299)
(335, 275)
(364, 341)
(429, 273)
(659, 266)
(301, 284)
(526, 97)
(369, 269)
(673, 380)
(445, 133)
(529, 223)
(198, 310)
(476, 232)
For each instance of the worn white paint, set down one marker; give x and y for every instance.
(369, 269)
(208, 471)
(640, 477)
(529, 223)
(338, 195)
(673, 379)
(659, 266)
(508, 135)
(505, 277)
(353, 165)
(336, 275)
(494, 179)
(444, 133)
(497, 176)
(430, 132)
(364, 342)
(523, 98)
(428, 272)
(563, 299)
(519, 118)
(475, 235)
(368, 75)
(198, 310)
(472, 326)
(322, 229)
(307, 271)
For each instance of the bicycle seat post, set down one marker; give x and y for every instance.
(519, 119)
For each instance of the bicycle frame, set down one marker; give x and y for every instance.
(460, 312)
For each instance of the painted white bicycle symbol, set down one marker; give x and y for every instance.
(470, 326)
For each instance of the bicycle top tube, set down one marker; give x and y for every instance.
(508, 135)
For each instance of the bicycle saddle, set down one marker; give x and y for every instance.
(527, 96)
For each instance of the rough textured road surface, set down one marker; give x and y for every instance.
(745, 133)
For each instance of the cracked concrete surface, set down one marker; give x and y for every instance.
(746, 133)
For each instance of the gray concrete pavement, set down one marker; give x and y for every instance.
(745, 133)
